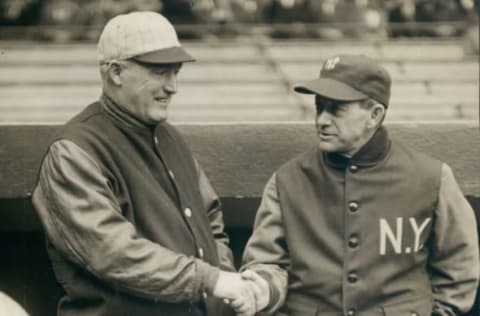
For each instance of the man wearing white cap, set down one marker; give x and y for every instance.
(132, 222)
(361, 225)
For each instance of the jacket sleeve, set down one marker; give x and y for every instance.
(266, 251)
(454, 262)
(83, 220)
(212, 205)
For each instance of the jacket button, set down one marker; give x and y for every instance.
(353, 242)
(188, 212)
(155, 140)
(351, 312)
(352, 277)
(353, 206)
(200, 252)
(204, 295)
(170, 173)
(353, 168)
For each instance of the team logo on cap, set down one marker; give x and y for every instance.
(331, 63)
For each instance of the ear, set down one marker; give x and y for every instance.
(377, 113)
(115, 73)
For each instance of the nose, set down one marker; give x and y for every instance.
(170, 85)
(323, 118)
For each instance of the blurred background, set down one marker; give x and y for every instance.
(250, 53)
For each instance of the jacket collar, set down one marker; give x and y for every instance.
(119, 115)
(370, 154)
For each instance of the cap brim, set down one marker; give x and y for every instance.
(165, 56)
(331, 89)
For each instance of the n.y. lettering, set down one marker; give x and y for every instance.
(395, 236)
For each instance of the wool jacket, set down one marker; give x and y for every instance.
(133, 225)
(386, 232)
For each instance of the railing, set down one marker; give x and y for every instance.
(238, 159)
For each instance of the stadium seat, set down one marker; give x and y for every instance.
(244, 80)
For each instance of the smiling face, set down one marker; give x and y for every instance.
(345, 126)
(147, 89)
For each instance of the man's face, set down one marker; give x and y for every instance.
(148, 89)
(342, 127)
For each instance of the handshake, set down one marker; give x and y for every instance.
(246, 292)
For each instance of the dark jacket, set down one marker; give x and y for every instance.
(387, 232)
(133, 225)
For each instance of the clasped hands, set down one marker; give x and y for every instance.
(246, 292)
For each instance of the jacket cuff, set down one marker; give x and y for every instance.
(442, 311)
(274, 293)
(208, 275)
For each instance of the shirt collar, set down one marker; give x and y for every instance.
(369, 155)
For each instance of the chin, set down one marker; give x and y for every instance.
(159, 120)
(327, 147)
(159, 117)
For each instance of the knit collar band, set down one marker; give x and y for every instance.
(369, 155)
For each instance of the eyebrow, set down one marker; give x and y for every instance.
(330, 103)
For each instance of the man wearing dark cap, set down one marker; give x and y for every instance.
(133, 225)
(361, 224)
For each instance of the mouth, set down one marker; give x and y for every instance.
(325, 136)
(163, 100)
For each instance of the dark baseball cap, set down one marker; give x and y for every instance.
(350, 78)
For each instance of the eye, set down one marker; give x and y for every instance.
(330, 108)
(337, 110)
(160, 72)
(164, 71)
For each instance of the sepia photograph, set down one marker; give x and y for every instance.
(239, 158)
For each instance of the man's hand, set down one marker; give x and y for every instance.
(259, 287)
(233, 287)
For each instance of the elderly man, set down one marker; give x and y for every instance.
(133, 224)
(361, 224)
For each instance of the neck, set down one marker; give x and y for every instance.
(374, 150)
(113, 107)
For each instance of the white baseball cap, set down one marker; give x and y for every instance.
(145, 36)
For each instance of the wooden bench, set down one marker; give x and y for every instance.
(238, 158)
(394, 50)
